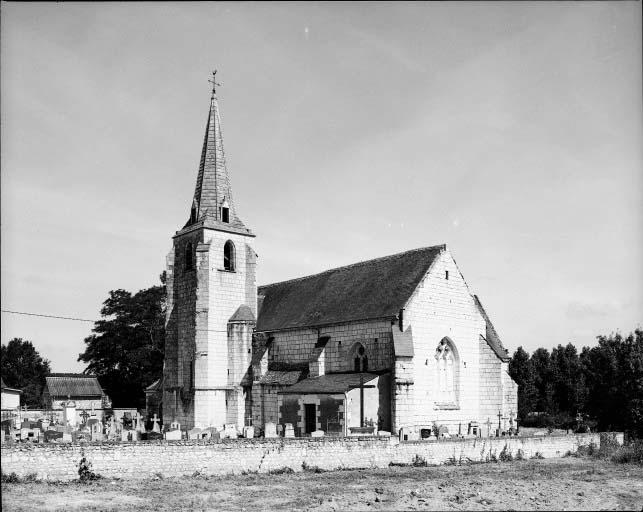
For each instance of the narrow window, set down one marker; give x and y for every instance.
(193, 215)
(360, 361)
(189, 258)
(225, 214)
(228, 256)
(446, 275)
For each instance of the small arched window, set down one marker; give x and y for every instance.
(189, 257)
(447, 372)
(228, 256)
(360, 360)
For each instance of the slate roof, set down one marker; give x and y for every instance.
(72, 384)
(371, 289)
(242, 314)
(492, 338)
(329, 384)
(280, 378)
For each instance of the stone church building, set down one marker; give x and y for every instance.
(398, 343)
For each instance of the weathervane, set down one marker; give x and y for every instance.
(214, 82)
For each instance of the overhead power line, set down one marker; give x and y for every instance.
(42, 315)
(48, 316)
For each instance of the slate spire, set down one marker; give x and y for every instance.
(212, 203)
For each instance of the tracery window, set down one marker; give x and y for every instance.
(447, 373)
(360, 359)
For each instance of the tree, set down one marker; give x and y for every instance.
(23, 368)
(126, 348)
(522, 373)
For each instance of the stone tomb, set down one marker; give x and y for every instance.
(289, 431)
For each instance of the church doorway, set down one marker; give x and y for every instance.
(310, 412)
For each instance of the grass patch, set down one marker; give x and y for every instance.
(631, 453)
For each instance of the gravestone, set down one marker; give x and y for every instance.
(66, 438)
(289, 431)
(140, 424)
(230, 431)
(126, 435)
(80, 435)
(154, 436)
(269, 430)
(31, 435)
(155, 426)
(383, 433)
(248, 432)
(195, 433)
(175, 425)
(173, 435)
(317, 433)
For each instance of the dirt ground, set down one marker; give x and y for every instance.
(550, 484)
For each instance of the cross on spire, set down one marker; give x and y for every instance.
(214, 82)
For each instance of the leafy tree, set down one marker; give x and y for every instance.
(522, 373)
(126, 348)
(23, 368)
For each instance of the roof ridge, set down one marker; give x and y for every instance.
(353, 265)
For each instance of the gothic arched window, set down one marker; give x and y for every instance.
(189, 257)
(360, 359)
(447, 373)
(228, 256)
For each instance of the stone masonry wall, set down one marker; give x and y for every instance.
(184, 458)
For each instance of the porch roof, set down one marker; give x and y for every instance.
(333, 383)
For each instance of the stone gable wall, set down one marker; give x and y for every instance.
(184, 458)
(442, 308)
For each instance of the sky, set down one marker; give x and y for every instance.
(510, 131)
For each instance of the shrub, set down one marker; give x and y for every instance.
(629, 454)
(418, 461)
(505, 455)
(281, 471)
(10, 478)
(85, 473)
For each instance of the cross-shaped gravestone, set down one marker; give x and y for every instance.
(84, 415)
(488, 423)
(155, 426)
(499, 418)
(140, 426)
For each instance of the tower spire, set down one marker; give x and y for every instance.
(212, 204)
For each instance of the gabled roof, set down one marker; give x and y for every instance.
(491, 337)
(371, 289)
(72, 385)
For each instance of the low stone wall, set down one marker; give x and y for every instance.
(178, 458)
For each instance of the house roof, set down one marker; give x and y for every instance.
(330, 384)
(491, 337)
(371, 289)
(72, 384)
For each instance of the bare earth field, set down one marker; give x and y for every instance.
(550, 484)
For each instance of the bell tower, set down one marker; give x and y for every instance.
(211, 299)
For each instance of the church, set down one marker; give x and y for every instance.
(397, 344)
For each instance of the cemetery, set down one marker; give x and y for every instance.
(52, 450)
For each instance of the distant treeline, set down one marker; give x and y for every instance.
(602, 384)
